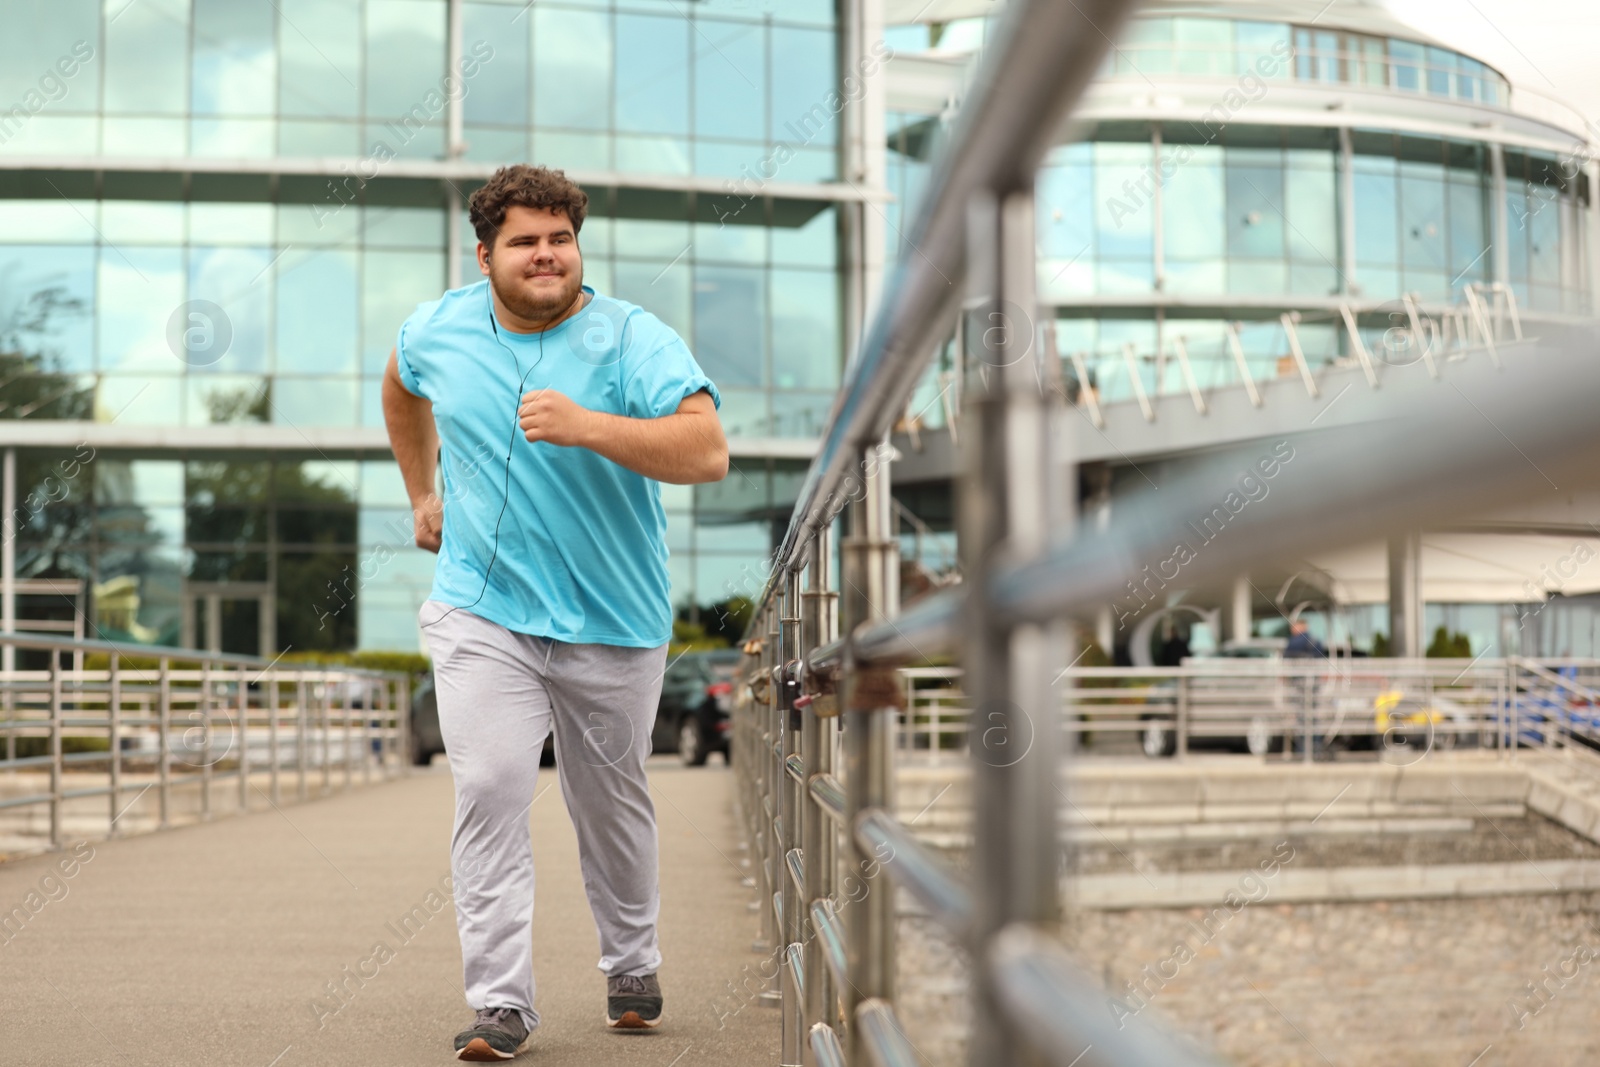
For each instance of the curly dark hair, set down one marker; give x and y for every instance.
(520, 185)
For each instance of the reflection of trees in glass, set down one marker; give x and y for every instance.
(318, 586)
(138, 571)
(32, 383)
(247, 404)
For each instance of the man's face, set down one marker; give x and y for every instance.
(535, 266)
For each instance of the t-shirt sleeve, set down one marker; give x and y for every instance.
(404, 358)
(663, 379)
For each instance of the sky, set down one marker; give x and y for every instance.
(1543, 46)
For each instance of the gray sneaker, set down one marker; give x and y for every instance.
(495, 1034)
(633, 1002)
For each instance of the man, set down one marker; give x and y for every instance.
(1302, 645)
(555, 412)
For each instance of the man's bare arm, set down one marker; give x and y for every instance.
(683, 448)
(415, 442)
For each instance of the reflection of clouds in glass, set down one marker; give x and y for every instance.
(233, 279)
(138, 290)
(235, 66)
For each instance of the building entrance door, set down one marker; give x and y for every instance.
(233, 617)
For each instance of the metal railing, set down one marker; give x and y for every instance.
(1286, 708)
(181, 723)
(1486, 316)
(814, 730)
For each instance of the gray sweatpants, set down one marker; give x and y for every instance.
(500, 693)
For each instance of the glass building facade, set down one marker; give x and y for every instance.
(294, 172)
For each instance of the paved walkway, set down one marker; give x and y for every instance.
(217, 944)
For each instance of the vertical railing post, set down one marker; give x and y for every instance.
(871, 593)
(274, 710)
(1013, 495)
(1183, 715)
(244, 742)
(772, 812)
(325, 711)
(349, 727)
(816, 747)
(789, 800)
(55, 749)
(114, 714)
(300, 719)
(205, 742)
(164, 743)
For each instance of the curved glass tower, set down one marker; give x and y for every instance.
(1245, 178)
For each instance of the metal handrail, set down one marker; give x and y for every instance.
(214, 692)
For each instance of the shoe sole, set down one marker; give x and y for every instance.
(632, 1020)
(480, 1051)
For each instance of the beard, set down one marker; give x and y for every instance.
(536, 307)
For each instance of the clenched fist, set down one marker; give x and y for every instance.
(427, 514)
(547, 415)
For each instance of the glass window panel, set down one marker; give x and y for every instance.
(408, 35)
(730, 322)
(1313, 227)
(1255, 42)
(1469, 258)
(238, 281)
(815, 244)
(1066, 219)
(1195, 276)
(1124, 224)
(230, 224)
(58, 221)
(235, 66)
(392, 285)
(1258, 276)
(382, 485)
(804, 73)
(730, 244)
(1124, 275)
(225, 398)
(651, 237)
(1193, 206)
(141, 483)
(139, 289)
(653, 155)
(730, 78)
(498, 94)
(25, 59)
(141, 222)
(314, 401)
(719, 159)
(572, 151)
(805, 329)
(1255, 210)
(1406, 57)
(230, 138)
(317, 309)
(135, 136)
(1544, 236)
(1377, 216)
(1422, 212)
(322, 223)
(43, 134)
(319, 51)
(147, 57)
(1204, 45)
(418, 137)
(144, 400)
(495, 145)
(47, 304)
(661, 289)
(572, 64)
(652, 73)
(743, 414)
(1441, 65)
(1374, 62)
(404, 227)
(318, 138)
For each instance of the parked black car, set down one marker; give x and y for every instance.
(696, 696)
(426, 739)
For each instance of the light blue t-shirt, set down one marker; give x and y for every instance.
(581, 553)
